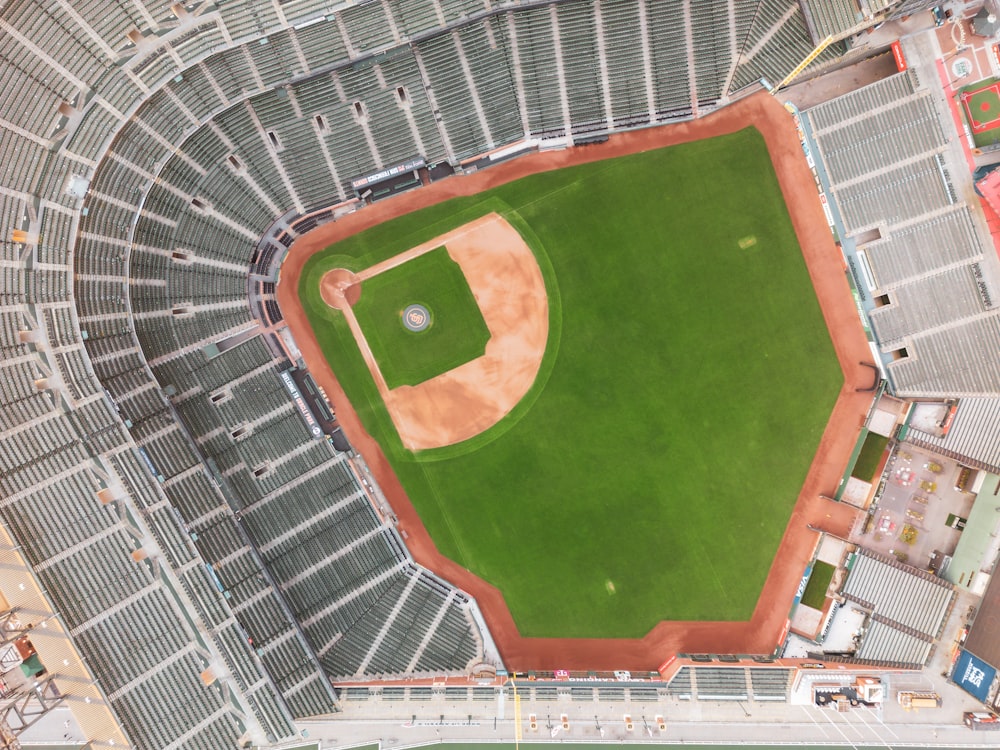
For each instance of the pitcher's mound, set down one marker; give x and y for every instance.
(416, 318)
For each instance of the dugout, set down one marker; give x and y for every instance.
(498, 156)
(312, 404)
(397, 178)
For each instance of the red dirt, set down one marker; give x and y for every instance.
(339, 288)
(759, 635)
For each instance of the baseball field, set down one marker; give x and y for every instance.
(650, 471)
(982, 104)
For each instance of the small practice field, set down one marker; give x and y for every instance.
(981, 102)
(649, 473)
(819, 581)
(455, 334)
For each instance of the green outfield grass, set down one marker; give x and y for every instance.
(650, 472)
(457, 333)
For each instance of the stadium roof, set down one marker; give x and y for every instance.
(55, 651)
(977, 537)
(982, 639)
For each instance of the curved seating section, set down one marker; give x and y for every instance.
(147, 147)
(339, 569)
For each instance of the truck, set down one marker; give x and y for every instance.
(980, 721)
(915, 699)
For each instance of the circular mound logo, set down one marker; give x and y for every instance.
(416, 318)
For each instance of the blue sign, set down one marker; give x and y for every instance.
(802, 586)
(973, 675)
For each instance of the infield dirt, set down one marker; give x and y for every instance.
(762, 632)
(469, 399)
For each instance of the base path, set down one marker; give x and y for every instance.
(759, 635)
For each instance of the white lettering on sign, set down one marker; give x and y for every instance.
(973, 675)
